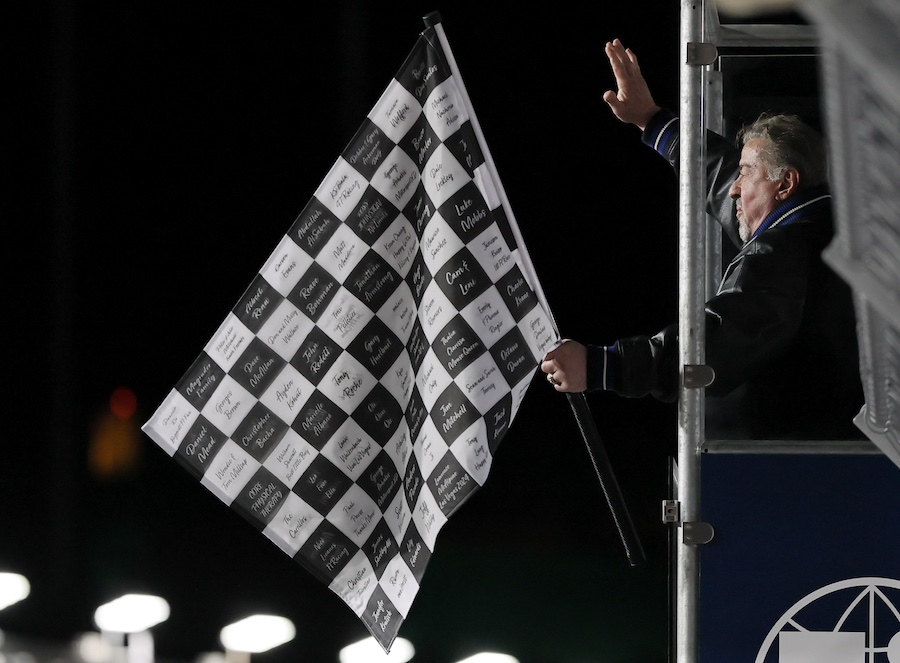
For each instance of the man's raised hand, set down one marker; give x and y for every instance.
(632, 103)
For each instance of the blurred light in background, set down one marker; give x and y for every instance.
(257, 633)
(115, 441)
(490, 657)
(211, 657)
(93, 648)
(13, 588)
(369, 651)
(131, 613)
(123, 403)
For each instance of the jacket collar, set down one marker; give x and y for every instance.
(804, 204)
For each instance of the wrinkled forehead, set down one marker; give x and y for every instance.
(752, 154)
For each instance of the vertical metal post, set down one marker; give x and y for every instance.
(692, 290)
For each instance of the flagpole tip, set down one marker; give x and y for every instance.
(432, 19)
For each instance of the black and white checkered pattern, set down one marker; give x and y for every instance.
(355, 395)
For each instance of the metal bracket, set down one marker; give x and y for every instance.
(698, 375)
(697, 533)
(671, 511)
(701, 53)
(693, 533)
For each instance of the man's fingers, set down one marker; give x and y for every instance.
(612, 53)
(623, 73)
(617, 56)
(620, 58)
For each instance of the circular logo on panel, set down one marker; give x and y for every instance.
(851, 621)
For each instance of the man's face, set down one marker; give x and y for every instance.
(753, 192)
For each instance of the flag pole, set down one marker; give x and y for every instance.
(578, 403)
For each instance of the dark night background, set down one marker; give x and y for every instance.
(153, 155)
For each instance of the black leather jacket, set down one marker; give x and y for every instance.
(780, 331)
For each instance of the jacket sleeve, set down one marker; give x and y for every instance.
(662, 134)
(636, 366)
(749, 324)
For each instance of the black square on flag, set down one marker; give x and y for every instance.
(326, 552)
(322, 485)
(457, 346)
(200, 445)
(314, 227)
(257, 367)
(257, 304)
(450, 484)
(372, 216)
(379, 415)
(314, 291)
(260, 432)
(462, 279)
(318, 420)
(200, 381)
(453, 413)
(316, 355)
(372, 281)
(378, 346)
(368, 149)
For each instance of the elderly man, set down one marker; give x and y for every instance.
(780, 331)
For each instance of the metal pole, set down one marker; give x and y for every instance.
(692, 256)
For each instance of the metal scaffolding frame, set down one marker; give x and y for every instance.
(691, 330)
(860, 52)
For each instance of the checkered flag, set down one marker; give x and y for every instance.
(355, 395)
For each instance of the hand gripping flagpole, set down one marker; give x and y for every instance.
(596, 451)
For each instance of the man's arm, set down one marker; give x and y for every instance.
(662, 134)
(572, 366)
(633, 103)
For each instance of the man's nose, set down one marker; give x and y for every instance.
(735, 190)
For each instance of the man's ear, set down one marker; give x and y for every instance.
(790, 184)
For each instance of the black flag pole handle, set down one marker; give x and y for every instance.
(596, 451)
(608, 483)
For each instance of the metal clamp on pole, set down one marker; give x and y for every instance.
(696, 376)
(671, 511)
(700, 54)
(697, 533)
(692, 533)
